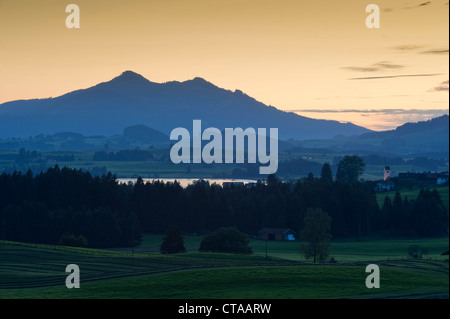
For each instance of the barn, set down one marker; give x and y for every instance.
(276, 234)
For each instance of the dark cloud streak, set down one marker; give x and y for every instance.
(436, 51)
(395, 76)
(379, 66)
(443, 87)
(413, 47)
(408, 47)
(359, 69)
(421, 5)
(377, 111)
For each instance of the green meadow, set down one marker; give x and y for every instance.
(340, 250)
(165, 169)
(35, 271)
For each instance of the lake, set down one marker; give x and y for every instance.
(184, 182)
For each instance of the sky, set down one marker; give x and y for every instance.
(315, 58)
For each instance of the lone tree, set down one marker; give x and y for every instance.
(226, 240)
(316, 233)
(349, 169)
(173, 243)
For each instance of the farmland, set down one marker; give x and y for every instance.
(340, 250)
(275, 270)
(38, 271)
(292, 164)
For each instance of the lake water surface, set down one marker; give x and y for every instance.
(184, 182)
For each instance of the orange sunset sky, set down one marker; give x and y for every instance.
(315, 58)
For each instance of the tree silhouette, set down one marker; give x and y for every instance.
(173, 243)
(349, 169)
(316, 233)
(226, 240)
(326, 175)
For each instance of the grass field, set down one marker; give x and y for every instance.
(340, 250)
(38, 271)
(165, 169)
(274, 282)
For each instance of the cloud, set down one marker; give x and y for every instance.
(378, 111)
(435, 51)
(413, 47)
(386, 65)
(359, 69)
(357, 97)
(379, 66)
(420, 5)
(408, 47)
(375, 119)
(394, 76)
(441, 88)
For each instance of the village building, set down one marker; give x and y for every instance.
(384, 186)
(277, 234)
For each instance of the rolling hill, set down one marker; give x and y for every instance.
(425, 138)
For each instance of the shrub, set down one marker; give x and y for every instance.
(226, 240)
(416, 251)
(173, 242)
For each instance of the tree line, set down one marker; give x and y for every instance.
(25, 157)
(68, 202)
(425, 216)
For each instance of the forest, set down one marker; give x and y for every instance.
(63, 203)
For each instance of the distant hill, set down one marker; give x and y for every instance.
(145, 134)
(108, 108)
(420, 138)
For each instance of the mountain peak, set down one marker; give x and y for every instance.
(199, 82)
(131, 78)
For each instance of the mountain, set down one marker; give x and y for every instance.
(145, 134)
(130, 99)
(420, 138)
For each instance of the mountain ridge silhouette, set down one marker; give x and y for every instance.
(130, 99)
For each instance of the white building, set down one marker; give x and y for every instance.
(384, 186)
(387, 172)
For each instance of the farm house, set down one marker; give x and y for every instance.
(276, 234)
